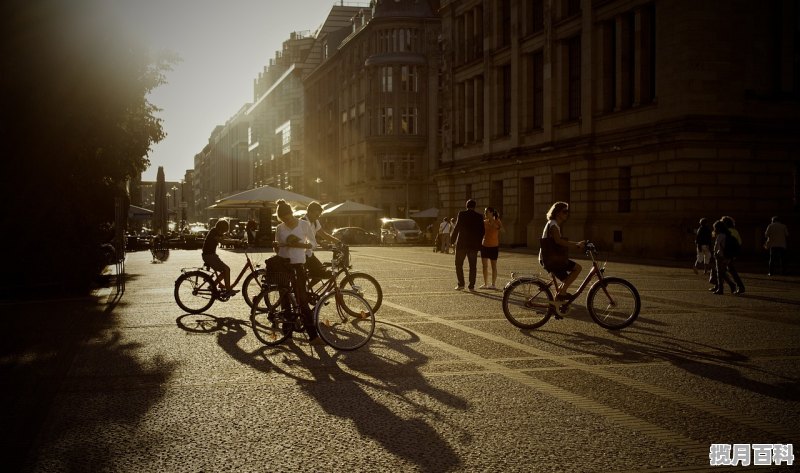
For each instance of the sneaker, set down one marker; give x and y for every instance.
(472, 289)
(230, 293)
(459, 288)
(492, 287)
(483, 286)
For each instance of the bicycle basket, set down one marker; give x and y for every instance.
(278, 278)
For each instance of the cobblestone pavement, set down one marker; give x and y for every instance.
(446, 384)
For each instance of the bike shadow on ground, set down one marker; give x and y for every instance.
(341, 383)
(703, 360)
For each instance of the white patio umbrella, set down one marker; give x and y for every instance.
(432, 212)
(350, 208)
(259, 197)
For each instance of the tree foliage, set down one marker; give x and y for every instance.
(76, 125)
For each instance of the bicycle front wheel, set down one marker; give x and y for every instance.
(366, 286)
(251, 287)
(269, 325)
(194, 292)
(344, 320)
(527, 303)
(613, 303)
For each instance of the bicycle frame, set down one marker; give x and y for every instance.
(248, 267)
(596, 270)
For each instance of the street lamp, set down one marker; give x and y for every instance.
(319, 192)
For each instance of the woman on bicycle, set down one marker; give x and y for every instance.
(553, 253)
(292, 239)
(214, 237)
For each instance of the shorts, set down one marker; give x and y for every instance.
(214, 262)
(490, 252)
(563, 273)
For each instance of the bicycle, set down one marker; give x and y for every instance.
(363, 284)
(612, 302)
(196, 289)
(343, 319)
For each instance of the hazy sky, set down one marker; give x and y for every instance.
(224, 44)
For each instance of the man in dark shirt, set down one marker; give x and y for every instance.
(467, 237)
(211, 258)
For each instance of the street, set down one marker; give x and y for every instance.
(446, 384)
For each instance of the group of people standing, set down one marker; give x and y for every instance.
(470, 234)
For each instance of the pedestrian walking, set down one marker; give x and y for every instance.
(704, 242)
(733, 251)
(722, 239)
(467, 237)
(490, 247)
(776, 236)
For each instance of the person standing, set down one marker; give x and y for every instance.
(444, 235)
(292, 240)
(490, 247)
(467, 236)
(776, 236)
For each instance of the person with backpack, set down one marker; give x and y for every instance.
(734, 248)
(722, 238)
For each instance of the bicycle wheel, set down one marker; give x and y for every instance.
(269, 326)
(613, 303)
(366, 286)
(194, 292)
(252, 285)
(344, 320)
(527, 303)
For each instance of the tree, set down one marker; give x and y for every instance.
(76, 124)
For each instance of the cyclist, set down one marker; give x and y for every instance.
(553, 255)
(292, 239)
(210, 257)
(315, 269)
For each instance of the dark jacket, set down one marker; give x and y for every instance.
(468, 232)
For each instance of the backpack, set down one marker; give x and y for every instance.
(732, 246)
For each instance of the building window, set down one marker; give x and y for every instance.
(397, 166)
(386, 79)
(574, 78)
(534, 16)
(537, 92)
(572, 7)
(408, 121)
(505, 22)
(504, 82)
(408, 78)
(385, 126)
(624, 205)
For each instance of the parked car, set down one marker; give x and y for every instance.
(356, 236)
(400, 230)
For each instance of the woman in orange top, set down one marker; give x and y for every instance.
(490, 246)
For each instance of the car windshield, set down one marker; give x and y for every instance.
(406, 225)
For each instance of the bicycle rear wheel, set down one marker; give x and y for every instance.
(269, 326)
(613, 303)
(527, 303)
(194, 292)
(366, 286)
(344, 320)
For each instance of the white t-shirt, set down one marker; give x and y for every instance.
(315, 227)
(444, 227)
(301, 231)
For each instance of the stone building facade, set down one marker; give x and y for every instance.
(644, 115)
(372, 107)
